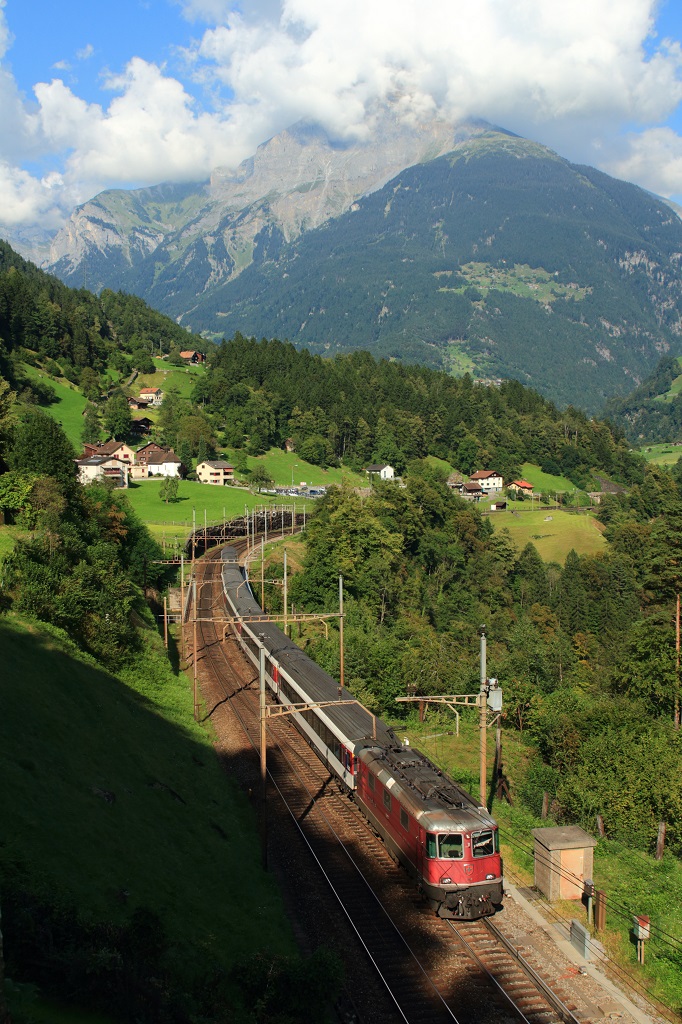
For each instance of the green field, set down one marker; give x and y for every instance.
(288, 470)
(520, 280)
(68, 409)
(546, 483)
(662, 454)
(182, 379)
(554, 537)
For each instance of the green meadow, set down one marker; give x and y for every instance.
(553, 533)
(662, 454)
(68, 409)
(547, 483)
(287, 469)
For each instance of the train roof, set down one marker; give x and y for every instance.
(436, 801)
(354, 722)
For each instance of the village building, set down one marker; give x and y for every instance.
(165, 464)
(455, 481)
(152, 396)
(382, 470)
(141, 426)
(472, 491)
(488, 480)
(192, 356)
(118, 449)
(215, 471)
(137, 403)
(145, 451)
(521, 487)
(102, 467)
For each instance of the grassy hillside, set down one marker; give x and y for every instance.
(665, 454)
(554, 533)
(68, 409)
(117, 801)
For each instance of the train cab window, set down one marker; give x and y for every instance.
(404, 820)
(451, 847)
(482, 844)
(370, 780)
(430, 845)
(387, 800)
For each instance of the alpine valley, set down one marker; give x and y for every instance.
(463, 247)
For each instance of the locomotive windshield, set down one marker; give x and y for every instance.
(482, 844)
(450, 847)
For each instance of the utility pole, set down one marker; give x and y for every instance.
(194, 535)
(483, 713)
(262, 573)
(263, 755)
(676, 714)
(194, 655)
(341, 650)
(286, 625)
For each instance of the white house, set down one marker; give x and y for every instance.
(488, 480)
(164, 464)
(102, 467)
(152, 396)
(382, 470)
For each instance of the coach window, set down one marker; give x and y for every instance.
(430, 845)
(450, 847)
(404, 820)
(387, 800)
(482, 844)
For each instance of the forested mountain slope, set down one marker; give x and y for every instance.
(653, 411)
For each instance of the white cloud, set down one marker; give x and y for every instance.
(571, 75)
(86, 52)
(653, 157)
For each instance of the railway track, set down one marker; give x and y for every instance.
(428, 969)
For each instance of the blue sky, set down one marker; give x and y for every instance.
(106, 94)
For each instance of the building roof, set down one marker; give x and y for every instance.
(473, 488)
(564, 837)
(521, 483)
(150, 391)
(109, 447)
(160, 458)
(216, 464)
(482, 474)
(377, 467)
(99, 460)
(189, 353)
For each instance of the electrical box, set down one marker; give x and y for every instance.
(494, 696)
(641, 926)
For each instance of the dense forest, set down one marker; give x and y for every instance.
(359, 410)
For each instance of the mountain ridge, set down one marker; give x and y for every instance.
(484, 251)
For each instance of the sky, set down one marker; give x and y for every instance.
(99, 94)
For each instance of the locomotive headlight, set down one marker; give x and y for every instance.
(446, 881)
(489, 876)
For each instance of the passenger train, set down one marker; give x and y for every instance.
(444, 839)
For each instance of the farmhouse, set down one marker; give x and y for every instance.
(193, 356)
(152, 396)
(488, 480)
